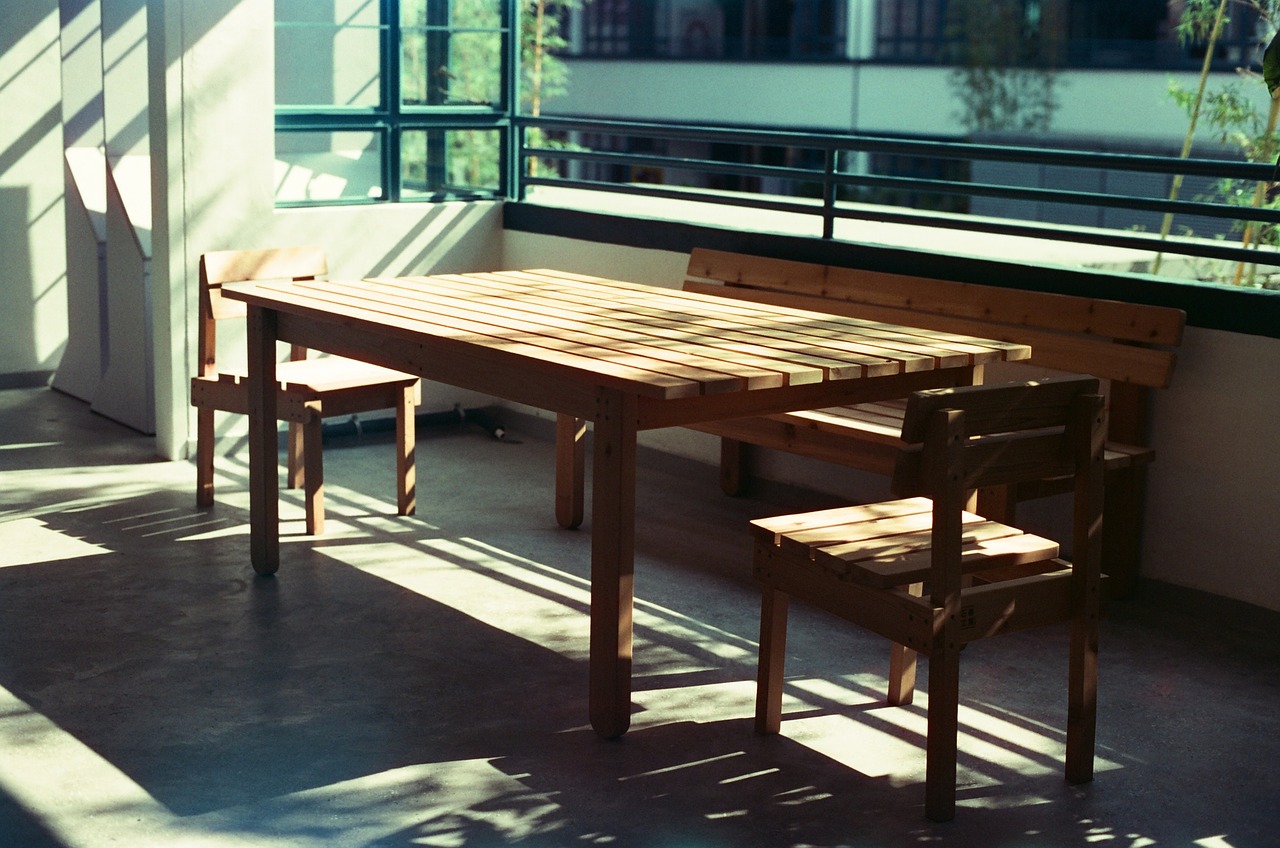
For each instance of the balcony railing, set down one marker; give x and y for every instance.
(1102, 198)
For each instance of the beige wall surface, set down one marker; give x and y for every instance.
(33, 297)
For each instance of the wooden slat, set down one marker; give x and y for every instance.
(728, 335)
(771, 530)
(903, 543)
(560, 333)
(667, 340)
(811, 331)
(998, 409)
(870, 330)
(1067, 313)
(1049, 349)
(644, 382)
(977, 555)
(897, 616)
(235, 266)
(829, 445)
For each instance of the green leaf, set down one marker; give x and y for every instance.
(1271, 64)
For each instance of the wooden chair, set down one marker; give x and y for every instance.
(869, 564)
(308, 389)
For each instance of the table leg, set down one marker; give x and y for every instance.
(264, 506)
(613, 515)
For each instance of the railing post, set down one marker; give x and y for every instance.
(514, 160)
(829, 194)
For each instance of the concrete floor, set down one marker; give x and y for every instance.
(408, 682)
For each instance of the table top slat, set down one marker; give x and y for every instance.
(643, 382)
(504, 322)
(840, 325)
(823, 333)
(837, 356)
(670, 345)
(658, 342)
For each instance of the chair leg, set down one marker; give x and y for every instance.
(773, 655)
(902, 666)
(571, 461)
(313, 473)
(944, 726)
(204, 457)
(406, 441)
(1082, 699)
(296, 452)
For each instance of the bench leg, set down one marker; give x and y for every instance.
(735, 470)
(571, 460)
(773, 655)
(1122, 513)
(313, 472)
(406, 442)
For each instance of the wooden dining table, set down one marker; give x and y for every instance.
(623, 356)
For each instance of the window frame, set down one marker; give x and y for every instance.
(392, 118)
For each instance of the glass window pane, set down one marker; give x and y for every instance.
(451, 53)
(328, 166)
(327, 54)
(449, 162)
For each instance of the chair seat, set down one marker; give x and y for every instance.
(328, 374)
(889, 544)
(931, 577)
(307, 390)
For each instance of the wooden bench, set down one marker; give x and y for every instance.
(1127, 345)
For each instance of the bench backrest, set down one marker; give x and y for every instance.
(1117, 341)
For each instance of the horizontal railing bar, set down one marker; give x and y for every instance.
(1065, 196)
(834, 144)
(923, 147)
(1074, 198)
(1119, 239)
(814, 207)
(1055, 232)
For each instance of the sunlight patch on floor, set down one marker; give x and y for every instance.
(84, 801)
(522, 598)
(26, 541)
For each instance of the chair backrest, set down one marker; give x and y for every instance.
(967, 438)
(237, 266)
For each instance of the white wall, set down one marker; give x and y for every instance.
(33, 297)
(1214, 506)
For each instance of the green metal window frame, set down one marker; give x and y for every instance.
(392, 118)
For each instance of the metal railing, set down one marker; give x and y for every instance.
(826, 175)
